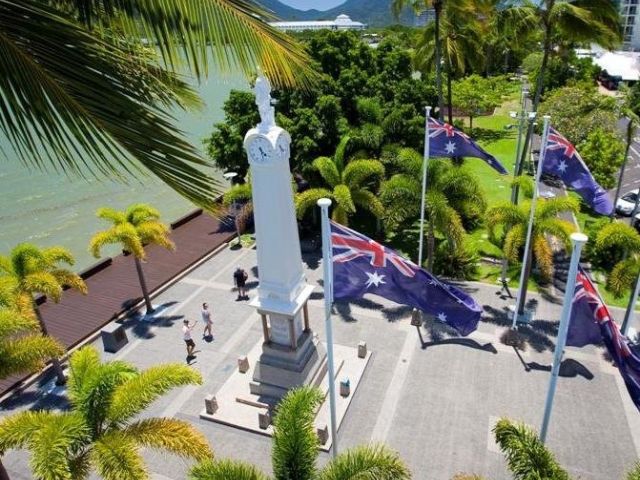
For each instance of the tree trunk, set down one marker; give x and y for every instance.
(449, 93)
(437, 6)
(527, 273)
(3, 472)
(431, 242)
(143, 285)
(536, 99)
(55, 363)
(630, 131)
(470, 124)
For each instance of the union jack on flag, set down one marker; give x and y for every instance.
(591, 322)
(563, 160)
(361, 266)
(447, 141)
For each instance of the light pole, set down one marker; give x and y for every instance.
(230, 176)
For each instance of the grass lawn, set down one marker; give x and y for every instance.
(491, 274)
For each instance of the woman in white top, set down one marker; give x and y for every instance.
(206, 318)
(186, 335)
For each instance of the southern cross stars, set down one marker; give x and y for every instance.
(450, 147)
(562, 166)
(375, 279)
(442, 317)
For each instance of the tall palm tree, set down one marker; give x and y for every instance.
(28, 271)
(546, 225)
(350, 185)
(420, 6)
(454, 197)
(81, 93)
(584, 21)
(137, 226)
(102, 431)
(527, 457)
(625, 241)
(295, 451)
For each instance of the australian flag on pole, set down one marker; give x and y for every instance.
(563, 160)
(362, 266)
(447, 141)
(591, 322)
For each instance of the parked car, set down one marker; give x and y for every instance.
(627, 202)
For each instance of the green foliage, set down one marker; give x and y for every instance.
(603, 152)
(225, 470)
(578, 110)
(634, 473)
(366, 462)
(459, 263)
(527, 457)
(476, 95)
(561, 70)
(99, 432)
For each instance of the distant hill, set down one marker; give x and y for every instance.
(375, 13)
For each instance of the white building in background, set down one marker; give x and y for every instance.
(342, 22)
(630, 24)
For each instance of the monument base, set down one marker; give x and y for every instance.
(237, 406)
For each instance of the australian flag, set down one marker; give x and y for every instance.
(447, 141)
(563, 160)
(362, 266)
(591, 322)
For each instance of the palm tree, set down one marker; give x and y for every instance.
(295, 451)
(350, 185)
(454, 197)
(546, 225)
(584, 21)
(82, 93)
(419, 6)
(527, 457)
(28, 271)
(624, 240)
(103, 431)
(139, 225)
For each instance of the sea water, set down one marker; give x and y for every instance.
(49, 209)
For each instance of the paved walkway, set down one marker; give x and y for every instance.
(434, 398)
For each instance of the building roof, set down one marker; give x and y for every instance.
(617, 64)
(340, 21)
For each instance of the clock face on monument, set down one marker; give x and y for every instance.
(260, 151)
(282, 147)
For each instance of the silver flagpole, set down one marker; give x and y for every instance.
(425, 161)
(324, 204)
(578, 240)
(527, 247)
(631, 307)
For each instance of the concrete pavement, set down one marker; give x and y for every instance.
(434, 397)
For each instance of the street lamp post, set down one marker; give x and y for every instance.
(230, 176)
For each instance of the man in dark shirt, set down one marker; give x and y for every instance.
(240, 278)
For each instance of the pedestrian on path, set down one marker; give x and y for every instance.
(206, 319)
(240, 279)
(187, 328)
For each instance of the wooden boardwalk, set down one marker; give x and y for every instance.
(114, 286)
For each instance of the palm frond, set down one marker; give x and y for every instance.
(55, 255)
(551, 207)
(84, 365)
(70, 279)
(154, 232)
(237, 193)
(514, 240)
(342, 196)
(42, 282)
(175, 436)
(309, 199)
(328, 170)
(295, 443)
(622, 276)
(505, 213)
(634, 473)
(410, 162)
(527, 457)
(134, 395)
(27, 354)
(400, 196)
(25, 258)
(124, 234)
(141, 212)
(525, 184)
(340, 156)
(561, 229)
(544, 256)
(368, 201)
(225, 470)
(359, 172)
(618, 235)
(366, 462)
(112, 215)
(115, 457)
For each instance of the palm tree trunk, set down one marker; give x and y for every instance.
(470, 123)
(437, 6)
(3, 472)
(527, 274)
(630, 131)
(55, 363)
(143, 285)
(539, 84)
(431, 242)
(449, 93)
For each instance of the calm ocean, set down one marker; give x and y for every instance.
(48, 209)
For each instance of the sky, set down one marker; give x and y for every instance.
(309, 4)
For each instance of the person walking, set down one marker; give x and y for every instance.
(186, 335)
(240, 279)
(206, 319)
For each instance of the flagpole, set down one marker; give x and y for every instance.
(324, 204)
(578, 240)
(527, 248)
(630, 312)
(425, 161)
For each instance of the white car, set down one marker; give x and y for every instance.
(627, 202)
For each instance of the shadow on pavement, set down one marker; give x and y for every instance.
(569, 367)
